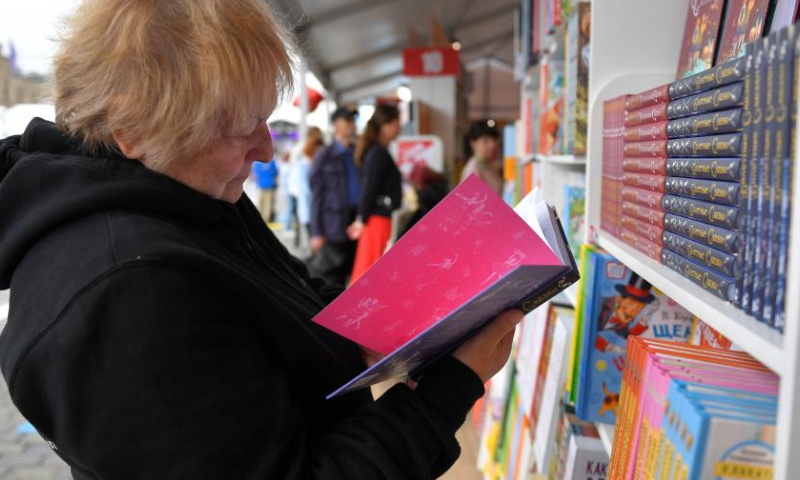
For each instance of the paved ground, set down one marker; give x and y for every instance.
(24, 455)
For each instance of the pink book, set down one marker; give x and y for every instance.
(469, 259)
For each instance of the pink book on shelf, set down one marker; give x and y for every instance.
(466, 261)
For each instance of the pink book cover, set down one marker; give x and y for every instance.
(465, 262)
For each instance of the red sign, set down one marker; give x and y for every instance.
(426, 62)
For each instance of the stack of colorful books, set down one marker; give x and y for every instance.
(693, 413)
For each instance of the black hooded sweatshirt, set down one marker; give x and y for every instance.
(157, 333)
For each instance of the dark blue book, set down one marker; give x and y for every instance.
(726, 193)
(744, 170)
(723, 216)
(765, 180)
(756, 150)
(787, 187)
(724, 169)
(720, 262)
(729, 72)
(729, 96)
(710, 235)
(726, 145)
(715, 123)
(720, 285)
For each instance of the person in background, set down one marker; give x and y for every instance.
(484, 140)
(381, 188)
(266, 174)
(335, 190)
(286, 205)
(430, 187)
(299, 175)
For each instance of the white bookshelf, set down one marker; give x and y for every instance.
(635, 46)
(606, 432)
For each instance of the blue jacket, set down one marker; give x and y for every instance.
(331, 208)
(266, 173)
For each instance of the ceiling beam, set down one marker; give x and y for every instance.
(345, 11)
(306, 49)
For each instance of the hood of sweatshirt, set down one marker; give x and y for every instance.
(48, 180)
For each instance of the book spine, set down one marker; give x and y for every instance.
(764, 224)
(656, 113)
(641, 244)
(653, 217)
(726, 121)
(719, 238)
(726, 193)
(652, 166)
(724, 169)
(729, 96)
(725, 74)
(720, 285)
(720, 262)
(711, 213)
(645, 230)
(647, 132)
(754, 149)
(783, 95)
(644, 198)
(654, 183)
(549, 290)
(728, 145)
(786, 201)
(646, 149)
(648, 98)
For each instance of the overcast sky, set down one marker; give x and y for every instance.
(32, 26)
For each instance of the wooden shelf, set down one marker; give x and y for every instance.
(761, 341)
(606, 436)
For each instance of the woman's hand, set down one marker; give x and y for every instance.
(488, 351)
(355, 229)
(371, 357)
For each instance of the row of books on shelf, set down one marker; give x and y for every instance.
(698, 174)
(616, 359)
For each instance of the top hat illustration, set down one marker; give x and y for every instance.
(637, 288)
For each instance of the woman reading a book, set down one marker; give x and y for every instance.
(158, 329)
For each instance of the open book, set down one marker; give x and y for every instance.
(469, 259)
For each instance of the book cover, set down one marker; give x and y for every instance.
(645, 230)
(710, 235)
(719, 261)
(620, 305)
(652, 166)
(729, 145)
(642, 244)
(785, 14)
(574, 215)
(478, 255)
(654, 183)
(711, 213)
(700, 36)
(725, 193)
(788, 194)
(651, 114)
(586, 459)
(648, 215)
(729, 96)
(647, 98)
(725, 74)
(645, 198)
(726, 121)
(724, 169)
(720, 285)
(744, 23)
(764, 178)
(704, 335)
(576, 351)
(648, 132)
(579, 33)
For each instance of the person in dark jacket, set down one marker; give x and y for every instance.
(335, 190)
(157, 328)
(381, 188)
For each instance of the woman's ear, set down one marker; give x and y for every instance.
(127, 148)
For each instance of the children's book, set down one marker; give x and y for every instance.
(574, 214)
(700, 36)
(620, 304)
(469, 259)
(744, 23)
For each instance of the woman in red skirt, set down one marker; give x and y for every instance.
(381, 188)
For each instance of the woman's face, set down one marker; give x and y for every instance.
(221, 169)
(390, 131)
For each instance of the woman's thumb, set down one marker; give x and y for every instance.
(503, 324)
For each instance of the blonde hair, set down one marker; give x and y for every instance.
(314, 140)
(166, 76)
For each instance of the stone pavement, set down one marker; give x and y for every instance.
(23, 455)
